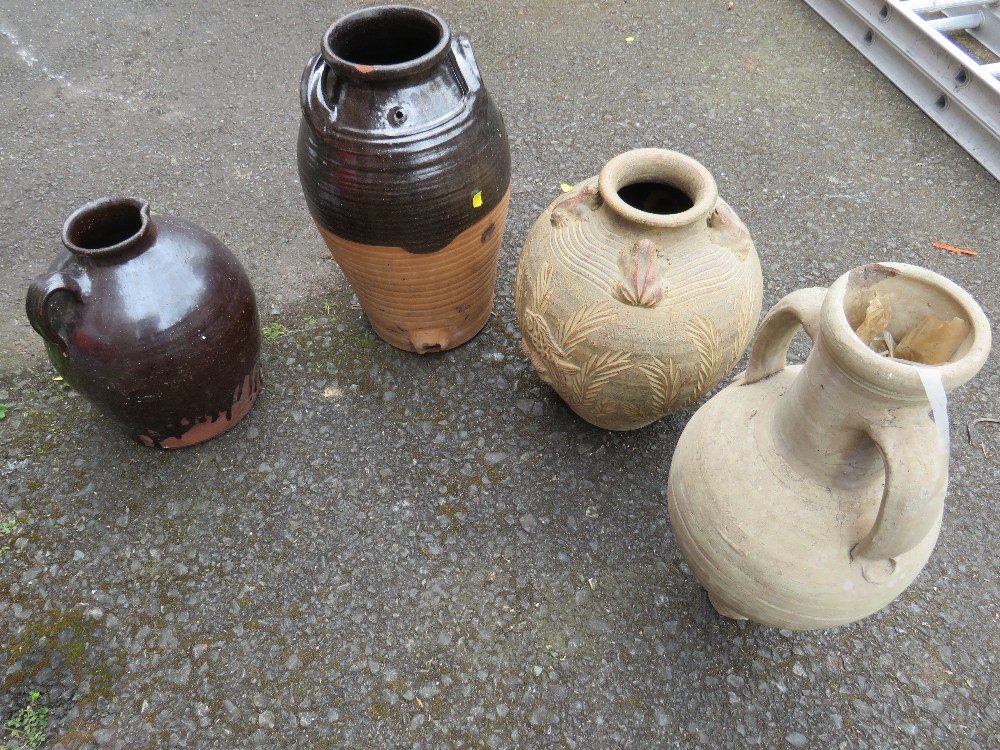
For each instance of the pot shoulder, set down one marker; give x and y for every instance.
(182, 297)
(417, 186)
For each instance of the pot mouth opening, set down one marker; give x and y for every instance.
(907, 319)
(658, 188)
(386, 41)
(656, 197)
(106, 226)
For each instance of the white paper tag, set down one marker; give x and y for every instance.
(934, 387)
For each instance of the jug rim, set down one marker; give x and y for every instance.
(352, 27)
(106, 226)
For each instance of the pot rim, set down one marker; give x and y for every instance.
(894, 377)
(347, 23)
(659, 165)
(90, 215)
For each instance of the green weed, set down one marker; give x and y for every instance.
(8, 525)
(273, 331)
(27, 728)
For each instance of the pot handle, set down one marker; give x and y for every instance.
(36, 304)
(770, 348)
(314, 107)
(916, 479)
(465, 63)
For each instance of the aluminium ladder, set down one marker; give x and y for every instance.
(960, 93)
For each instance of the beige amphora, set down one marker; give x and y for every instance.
(638, 291)
(811, 496)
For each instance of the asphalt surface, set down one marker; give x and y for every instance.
(394, 551)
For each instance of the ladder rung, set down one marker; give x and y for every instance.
(958, 23)
(930, 6)
(991, 69)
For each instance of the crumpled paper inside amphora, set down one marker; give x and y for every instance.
(932, 341)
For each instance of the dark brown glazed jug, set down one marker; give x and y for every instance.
(405, 166)
(152, 319)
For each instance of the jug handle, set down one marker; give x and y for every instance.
(916, 479)
(36, 304)
(770, 349)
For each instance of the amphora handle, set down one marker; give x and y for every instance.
(770, 349)
(915, 476)
(465, 60)
(316, 111)
(916, 480)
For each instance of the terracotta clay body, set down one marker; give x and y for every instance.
(638, 291)
(405, 166)
(153, 320)
(811, 496)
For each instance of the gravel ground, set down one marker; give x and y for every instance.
(394, 551)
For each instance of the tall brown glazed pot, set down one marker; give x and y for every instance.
(405, 166)
(153, 320)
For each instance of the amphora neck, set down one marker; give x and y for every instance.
(847, 388)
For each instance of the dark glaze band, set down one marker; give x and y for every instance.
(401, 154)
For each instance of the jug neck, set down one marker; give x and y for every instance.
(108, 227)
(846, 389)
(820, 424)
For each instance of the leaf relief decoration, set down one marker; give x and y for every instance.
(551, 348)
(666, 383)
(595, 373)
(585, 321)
(707, 339)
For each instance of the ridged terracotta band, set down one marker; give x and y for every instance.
(426, 302)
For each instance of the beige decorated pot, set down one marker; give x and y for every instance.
(637, 291)
(810, 496)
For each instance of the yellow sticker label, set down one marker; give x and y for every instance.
(57, 378)
(477, 199)
(566, 187)
(630, 39)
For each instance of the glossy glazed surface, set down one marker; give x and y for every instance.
(153, 319)
(399, 153)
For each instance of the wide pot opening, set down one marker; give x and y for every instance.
(658, 188)
(656, 197)
(907, 317)
(105, 226)
(392, 38)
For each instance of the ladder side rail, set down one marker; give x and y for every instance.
(943, 80)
